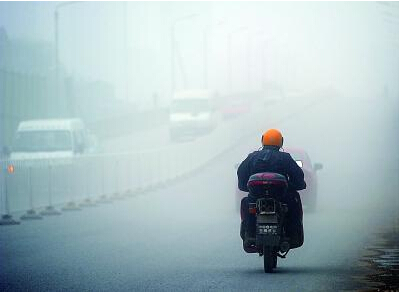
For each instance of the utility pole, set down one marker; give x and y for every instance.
(173, 48)
(57, 66)
(230, 67)
(206, 31)
(249, 62)
(126, 51)
(229, 55)
(57, 49)
(172, 33)
(205, 53)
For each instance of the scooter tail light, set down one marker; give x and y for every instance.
(252, 210)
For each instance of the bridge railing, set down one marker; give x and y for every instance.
(47, 184)
(35, 184)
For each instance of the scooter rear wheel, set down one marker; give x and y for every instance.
(269, 259)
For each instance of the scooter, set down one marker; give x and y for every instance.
(267, 190)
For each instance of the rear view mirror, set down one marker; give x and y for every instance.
(317, 166)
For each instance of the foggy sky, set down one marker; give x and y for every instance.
(351, 47)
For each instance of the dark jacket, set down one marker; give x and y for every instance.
(270, 159)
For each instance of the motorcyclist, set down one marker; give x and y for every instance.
(270, 159)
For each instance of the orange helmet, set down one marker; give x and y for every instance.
(272, 137)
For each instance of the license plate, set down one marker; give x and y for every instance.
(267, 229)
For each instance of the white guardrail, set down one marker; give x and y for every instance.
(69, 184)
(34, 185)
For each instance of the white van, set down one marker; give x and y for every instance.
(49, 139)
(192, 112)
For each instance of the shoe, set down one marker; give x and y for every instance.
(296, 238)
(249, 246)
(249, 239)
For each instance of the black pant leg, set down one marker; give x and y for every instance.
(248, 220)
(294, 222)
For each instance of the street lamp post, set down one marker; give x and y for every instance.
(205, 76)
(262, 42)
(230, 68)
(173, 44)
(172, 58)
(126, 50)
(56, 41)
(229, 53)
(56, 54)
(205, 51)
(249, 62)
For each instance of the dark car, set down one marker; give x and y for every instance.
(308, 195)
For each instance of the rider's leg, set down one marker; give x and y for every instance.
(244, 217)
(248, 221)
(294, 223)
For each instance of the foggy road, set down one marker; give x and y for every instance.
(186, 236)
(91, 91)
(143, 140)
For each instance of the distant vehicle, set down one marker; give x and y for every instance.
(308, 195)
(51, 139)
(235, 108)
(192, 113)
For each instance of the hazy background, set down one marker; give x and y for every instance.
(325, 73)
(351, 47)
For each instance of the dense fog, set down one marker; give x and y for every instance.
(302, 46)
(325, 73)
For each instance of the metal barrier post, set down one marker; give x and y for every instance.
(139, 174)
(117, 195)
(129, 191)
(6, 219)
(88, 202)
(71, 205)
(161, 177)
(50, 210)
(158, 169)
(103, 198)
(31, 213)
